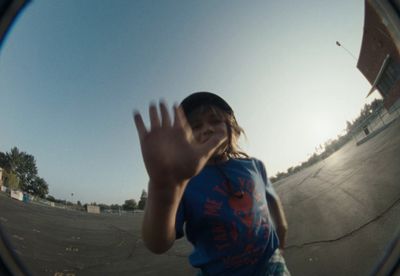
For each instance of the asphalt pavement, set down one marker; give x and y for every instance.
(53, 241)
(344, 211)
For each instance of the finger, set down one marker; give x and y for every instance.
(139, 125)
(208, 148)
(154, 120)
(166, 121)
(177, 121)
(180, 117)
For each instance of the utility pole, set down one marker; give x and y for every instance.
(350, 53)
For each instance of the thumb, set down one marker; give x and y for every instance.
(208, 148)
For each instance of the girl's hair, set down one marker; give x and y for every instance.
(234, 130)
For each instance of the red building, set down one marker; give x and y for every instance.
(379, 59)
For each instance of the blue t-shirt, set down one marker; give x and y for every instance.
(226, 216)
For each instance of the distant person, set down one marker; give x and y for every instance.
(200, 179)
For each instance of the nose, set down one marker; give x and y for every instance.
(207, 130)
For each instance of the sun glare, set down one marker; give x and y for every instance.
(321, 130)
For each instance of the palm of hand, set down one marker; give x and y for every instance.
(167, 152)
(170, 152)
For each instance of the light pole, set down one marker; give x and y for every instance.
(350, 53)
(72, 195)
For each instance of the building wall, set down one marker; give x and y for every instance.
(381, 37)
(93, 209)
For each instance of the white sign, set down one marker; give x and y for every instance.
(93, 209)
(17, 195)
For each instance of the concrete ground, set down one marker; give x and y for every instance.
(54, 241)
(342, 213)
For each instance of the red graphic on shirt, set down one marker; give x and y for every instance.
(242, 235)
(212, 207)
(243, 208)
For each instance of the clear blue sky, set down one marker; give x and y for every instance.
(71, 72)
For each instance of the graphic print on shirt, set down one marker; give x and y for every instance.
(242, 233)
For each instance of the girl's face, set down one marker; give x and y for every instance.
(208, 124)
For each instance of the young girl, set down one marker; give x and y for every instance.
(201, 182)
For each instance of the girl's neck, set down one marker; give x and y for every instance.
(218, 159)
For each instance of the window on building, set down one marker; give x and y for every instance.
(389, 77)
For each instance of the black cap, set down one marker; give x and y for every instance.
(195, 100)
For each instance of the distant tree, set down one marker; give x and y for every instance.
(37, 187)
(51, 198)
(142, 201)
(349, 127)
(129, 205)
(297, 168)
(23, 165)
(115, 207)
(79, 203)
(313, 159)
(376, 104)
(4, 161)
(11, 180)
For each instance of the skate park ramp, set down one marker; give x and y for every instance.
(344, 212)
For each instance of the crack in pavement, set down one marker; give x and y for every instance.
(317, 172)
(353, 197)
(123, 241)
(332, 185)
(348, 234)
(130, 255)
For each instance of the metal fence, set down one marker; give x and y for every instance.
(375, 123)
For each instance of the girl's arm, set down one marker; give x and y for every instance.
(172, 157)
(279, 218)
(158, 228)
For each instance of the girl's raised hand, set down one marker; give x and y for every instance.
(170, 152)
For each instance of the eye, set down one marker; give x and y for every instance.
(196, 126)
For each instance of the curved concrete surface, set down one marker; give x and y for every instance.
(342, 213)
